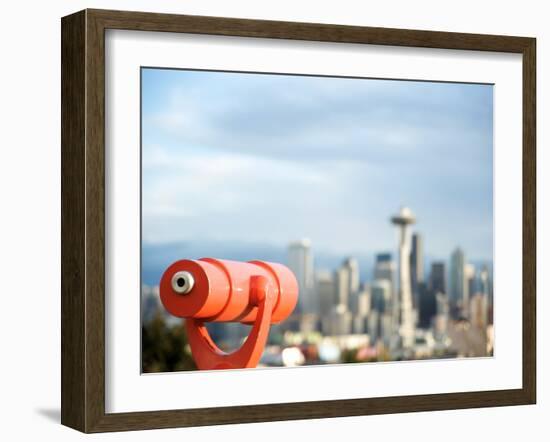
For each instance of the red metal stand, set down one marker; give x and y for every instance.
(211, 290)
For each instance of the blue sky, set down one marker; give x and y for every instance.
(258, 160)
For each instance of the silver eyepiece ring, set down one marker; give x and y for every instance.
(183, 282)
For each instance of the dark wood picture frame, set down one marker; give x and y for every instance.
(83, 220)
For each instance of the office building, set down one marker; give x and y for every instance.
(300, 261)
(342, 286)
(384, 268)
(373, 325)
(438, 279)
(458, 294)
(348, 286)
(339, 321)
(381, 299)
(472, 286)
(361, 310)
(484, 281)
(478, 311)
(427, 306)
(326, 291)
(417, 266)
(441, 320)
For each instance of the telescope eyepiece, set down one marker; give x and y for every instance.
(183, 282)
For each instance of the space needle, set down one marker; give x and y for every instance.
(405, 312)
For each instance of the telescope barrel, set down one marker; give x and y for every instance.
(215, 290)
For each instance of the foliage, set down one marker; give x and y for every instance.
(164, 348)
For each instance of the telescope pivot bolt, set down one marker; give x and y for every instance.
(255, 293)
(183, 282)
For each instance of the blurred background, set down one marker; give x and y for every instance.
(376, 193)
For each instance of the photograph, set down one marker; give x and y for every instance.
(319, 219)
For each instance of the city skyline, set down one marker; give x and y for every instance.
(446, 275)
(402, 314)
(155, 257)
(225, 161)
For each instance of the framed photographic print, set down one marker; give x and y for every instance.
(269, 220)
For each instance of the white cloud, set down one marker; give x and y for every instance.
(269, 160)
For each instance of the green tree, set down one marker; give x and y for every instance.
(164, 348)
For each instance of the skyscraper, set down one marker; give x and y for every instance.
(441, 319)
(436, 297)
(326, 291)
(342, 286)
(373, 325)
(364, 301)
(381, 296)
(438, 280)
(339, 321)
(478, 311)
(384, 269)
(484, 281)
(347, 284)
(417, 266)
(402, 220)
(300, 261)
(353, 283)
(486, 288)
(381, 307)
(458, 284)
(471, 286)
(427, 306)
(361, 310)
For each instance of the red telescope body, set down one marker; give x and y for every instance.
(214, 290)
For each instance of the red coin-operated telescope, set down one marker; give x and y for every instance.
(214, 290)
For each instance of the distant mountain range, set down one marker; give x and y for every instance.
(156, 257)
